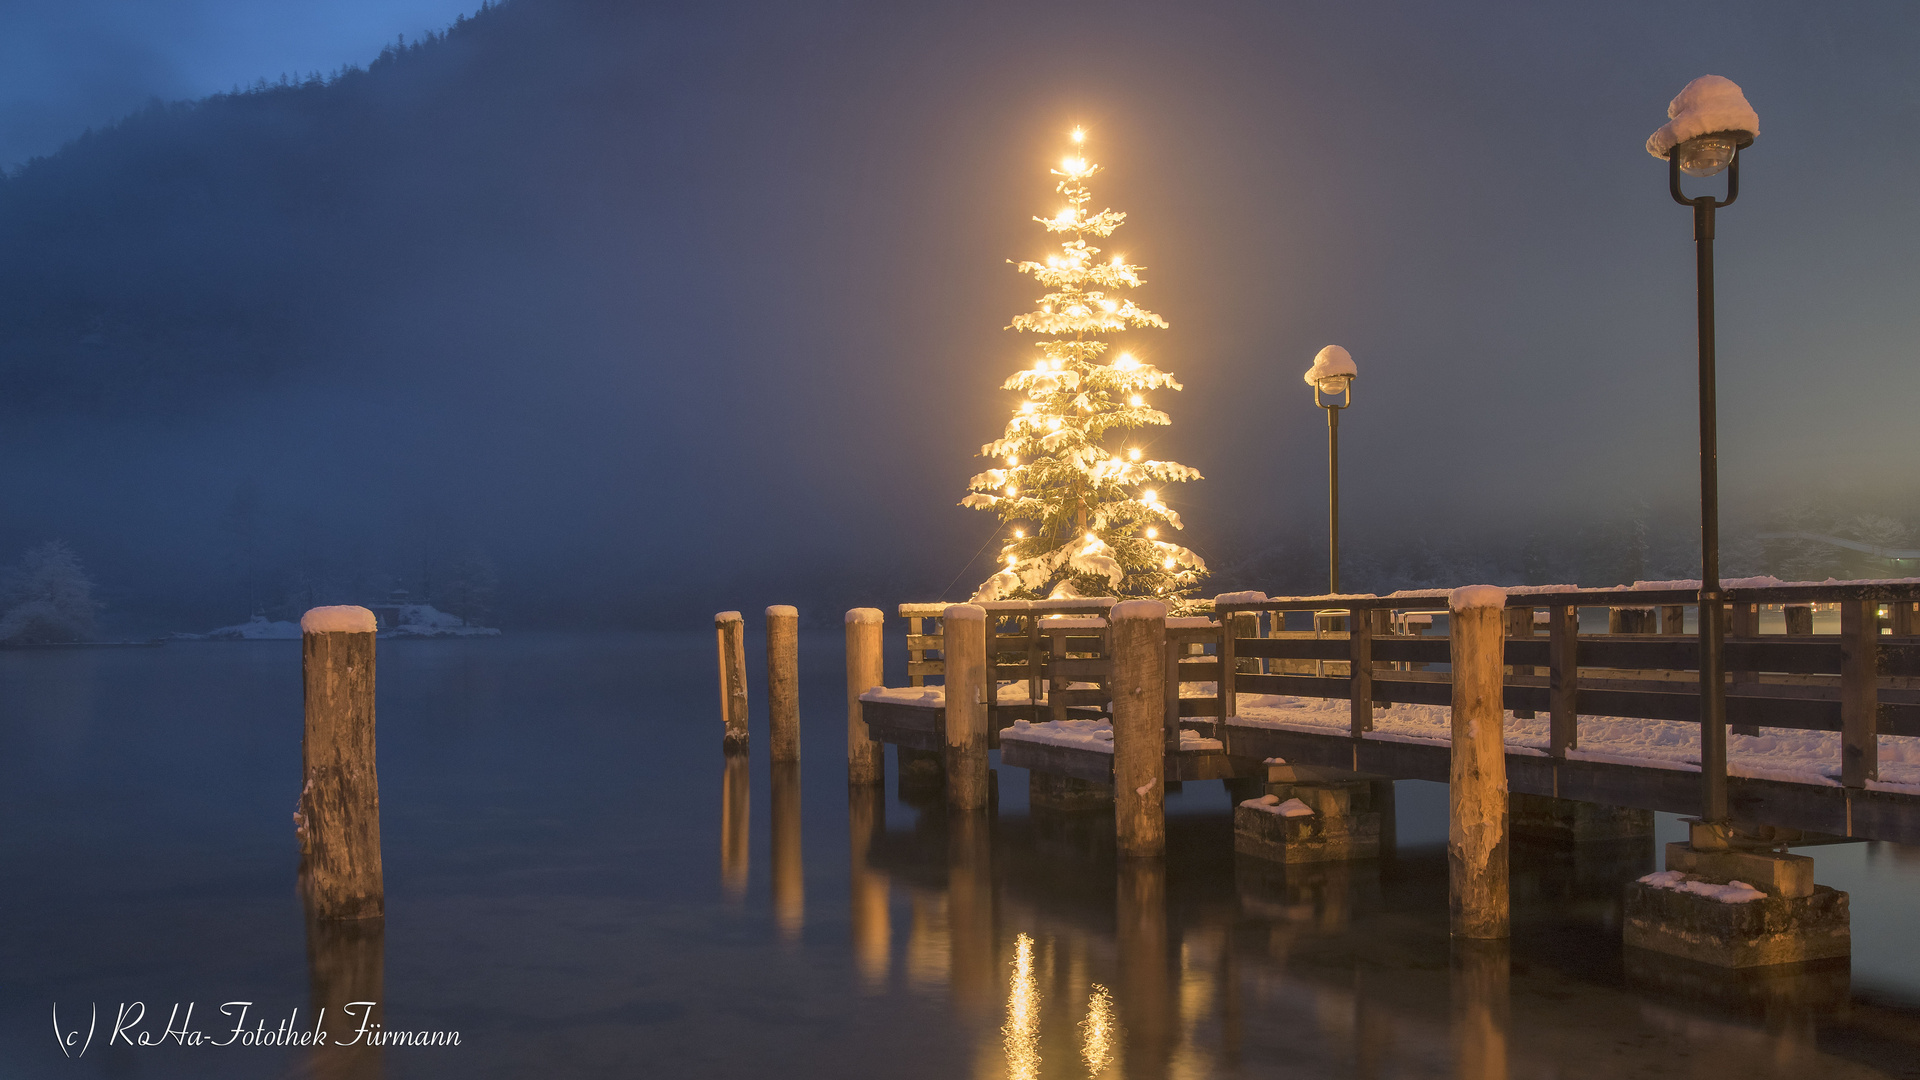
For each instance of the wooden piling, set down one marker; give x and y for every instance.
(338, 822)
(1477, 778)
(1673, 619)
(783, 682)
(1138, 633)
(966, 673)
(730, 637)
(866, 759)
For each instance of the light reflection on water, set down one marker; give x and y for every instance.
(553, 893)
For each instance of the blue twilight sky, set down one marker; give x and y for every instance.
(67, 65)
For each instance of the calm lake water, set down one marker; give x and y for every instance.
(579, 886)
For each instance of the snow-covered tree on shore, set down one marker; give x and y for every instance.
(1083, 505)
(48, 598)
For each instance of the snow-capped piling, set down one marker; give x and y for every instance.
(729, 631)
(866, 759)
(1477, 778)
(783, 682)
(1138, 634)
(966, 652)
(338, 821)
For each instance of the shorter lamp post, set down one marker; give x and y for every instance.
(1331, 377)
(1708, 125)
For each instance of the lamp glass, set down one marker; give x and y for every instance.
(1706, 155)
(1335, 384)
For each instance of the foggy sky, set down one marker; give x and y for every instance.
(720, 313)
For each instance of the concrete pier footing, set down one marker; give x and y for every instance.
(1313, 817)
(1792, 921)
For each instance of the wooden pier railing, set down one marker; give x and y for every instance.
(1861, 682)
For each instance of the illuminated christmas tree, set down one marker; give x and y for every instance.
(1082, 503)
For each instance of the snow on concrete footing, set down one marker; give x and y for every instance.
(1760, 932)
(1547, 820)
(1310, 823)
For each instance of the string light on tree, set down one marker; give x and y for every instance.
(1093, 523)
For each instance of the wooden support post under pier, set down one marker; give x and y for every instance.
(966, 674)
(729, 632)
(783, 682)
(1673, 619)
(1477, 778)
(866, 759)
(338, 823)
(1137, 636)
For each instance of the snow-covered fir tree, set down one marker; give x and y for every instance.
(1082, 504)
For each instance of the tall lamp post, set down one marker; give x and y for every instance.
(1331, 377)
(1708, 125)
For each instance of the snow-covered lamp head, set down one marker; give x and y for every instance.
(1707, 124)
(1332, 374)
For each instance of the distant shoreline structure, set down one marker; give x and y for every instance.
(395, 620)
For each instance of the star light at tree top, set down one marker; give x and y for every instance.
(1082, 501)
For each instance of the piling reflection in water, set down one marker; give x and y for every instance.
(1140, 908)
(970, 910)
(867, 890)
(1021, 1033)
(735, 783)
(346, 977)
(789, 877)
(1328, 970)
(1480, 972)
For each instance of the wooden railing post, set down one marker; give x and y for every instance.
(1673, 619)
(338, 822)
(783, 682)
(1137, 636)
(1799, 619)
(866, 759)
(1743, 622)
(1359, 671)
(1056, 686)
(1859, 693)
(1563, 679)
(1229, 697)
(965, 649)
(1170, 692)
(1477, 777)
(729, 631)
(1520, 625)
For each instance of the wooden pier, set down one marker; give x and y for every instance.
(1220, 669)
